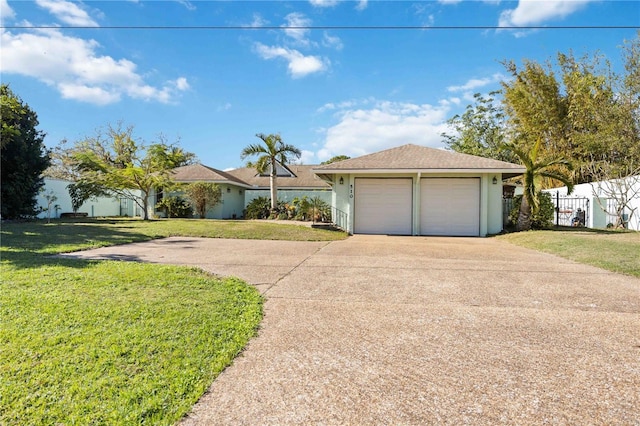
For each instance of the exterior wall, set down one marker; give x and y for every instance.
(231, 204)
(99, 206)
(494, 202)
(490, 198)
(287, 195)
(341, 203)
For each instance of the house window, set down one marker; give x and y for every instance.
(159, 195)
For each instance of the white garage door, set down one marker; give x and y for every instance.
(383, 206)
(450, 206)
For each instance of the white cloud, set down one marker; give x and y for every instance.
(258, 21)
(385, 124)
(299, 64)
(296, 27)
(449, 1)
(323, 3)
(332, 41)
(187, 4)
(476, 83)
(535, 12)
(362, 5)
(224, 107)
(93, 95)
(5, 11)
(68, 12)
(182, 84)
(307, 157)
(73, 66)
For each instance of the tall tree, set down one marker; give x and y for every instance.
(535, 170)
(203, 196)
(117, 164)
(271, 152)
(535, 107)
(23, 156)
(602, 109)
(480, 129)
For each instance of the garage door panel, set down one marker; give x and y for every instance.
(450, 206)
(383, 206)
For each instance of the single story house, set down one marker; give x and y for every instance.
(416, 190)
(240, 186)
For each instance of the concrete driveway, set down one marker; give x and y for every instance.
(418, 330)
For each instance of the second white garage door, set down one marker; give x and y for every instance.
(383, 206)
(450, 206)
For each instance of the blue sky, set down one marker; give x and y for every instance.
(214, 73)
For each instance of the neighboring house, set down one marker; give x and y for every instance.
(240, 186)
(603, 198)
(415, 190)
(293, 181)
(231, 204)
(95, 206)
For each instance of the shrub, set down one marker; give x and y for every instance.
(541, 219)
(258, 208)
(175, 207)
(321, 210)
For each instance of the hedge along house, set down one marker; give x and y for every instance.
(415, 190)
(240, 186)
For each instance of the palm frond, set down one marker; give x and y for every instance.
(253, 149)
(559, 177)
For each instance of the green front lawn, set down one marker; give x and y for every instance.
(104, 342)
(617, 251)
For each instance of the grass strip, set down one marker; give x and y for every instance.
(616, 251)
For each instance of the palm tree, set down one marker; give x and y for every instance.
(271, 153)
(535, 171)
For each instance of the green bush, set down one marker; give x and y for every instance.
(175, 207)
(258, 208)
(311, 209)
(541, 219)
(300, 209)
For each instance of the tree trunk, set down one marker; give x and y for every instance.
(145, 209)
(274, 188)
(524, 217)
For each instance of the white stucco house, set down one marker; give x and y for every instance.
(416, 190)
(240, 186)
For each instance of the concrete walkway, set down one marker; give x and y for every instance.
(417, 330)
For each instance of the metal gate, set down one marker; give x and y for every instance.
(126, 208)
(571, 211)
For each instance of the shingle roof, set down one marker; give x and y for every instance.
(304, 177)
(248, 177)
(414, 157)
(200, 172)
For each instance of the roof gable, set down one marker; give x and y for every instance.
(281, 171)
(301, 176)
(415, 157)
(201, 173)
